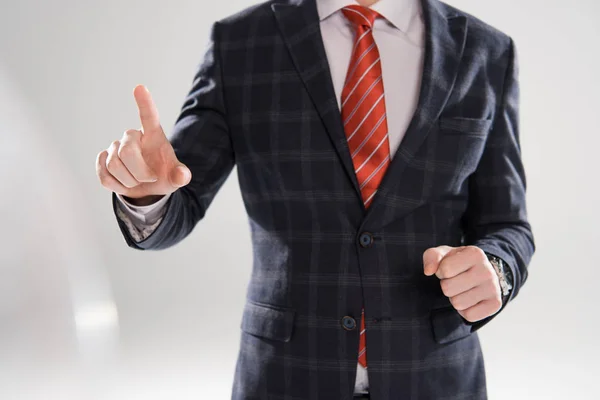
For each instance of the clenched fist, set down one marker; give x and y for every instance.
(467, 278)
(142, 165)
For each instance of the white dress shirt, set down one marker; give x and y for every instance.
(400, 39)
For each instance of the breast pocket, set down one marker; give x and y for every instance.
(459, 145)
(465, 126)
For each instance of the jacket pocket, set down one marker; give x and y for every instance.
(470, 126)
(266, 321)
(448, 325)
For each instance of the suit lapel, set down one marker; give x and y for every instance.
(444, 45)
(298, 22)
(445, 36)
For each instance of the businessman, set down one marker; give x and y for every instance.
(378, 156)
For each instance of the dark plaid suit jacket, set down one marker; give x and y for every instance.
(263, 101)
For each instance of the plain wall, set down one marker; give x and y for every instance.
(75, 64)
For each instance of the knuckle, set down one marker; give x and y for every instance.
(99, 158)
(469, 315)
(497, 303)
(455, 301)
(494, 283)
(492, 291)
(436, 250)
(446, 286)
(104, 179)
(445, 270)
(490, 275)
(130, 132)
(131, 135)
(476, 251)
(126, 151)
(497, 290)
(429, 253)
(112, 163)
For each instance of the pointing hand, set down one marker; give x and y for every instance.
(142, 163)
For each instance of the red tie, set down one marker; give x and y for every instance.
(364, 117)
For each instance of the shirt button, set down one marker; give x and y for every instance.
(365, 240)
(348, 323)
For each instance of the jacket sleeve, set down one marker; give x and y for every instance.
(496, 217)
(201, 141)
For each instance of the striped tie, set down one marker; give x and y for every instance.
(364, 117)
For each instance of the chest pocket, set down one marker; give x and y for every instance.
(465, 126)
(455, 150)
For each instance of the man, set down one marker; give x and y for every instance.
(377, 150)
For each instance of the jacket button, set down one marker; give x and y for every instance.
(348, 323)
(365, 240)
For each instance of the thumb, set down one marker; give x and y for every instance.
(432, 258)
(180, 176)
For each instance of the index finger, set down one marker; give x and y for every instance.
(147, 109)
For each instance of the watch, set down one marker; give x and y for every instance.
(504, 275)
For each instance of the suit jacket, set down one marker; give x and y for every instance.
(263, 101)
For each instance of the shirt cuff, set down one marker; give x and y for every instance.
(141, 221)
(144, 215)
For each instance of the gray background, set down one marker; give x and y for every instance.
(84, 317)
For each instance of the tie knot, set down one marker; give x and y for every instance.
(360, 16)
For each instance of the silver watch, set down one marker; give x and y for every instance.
(502, 273)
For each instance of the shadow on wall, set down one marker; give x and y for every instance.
(59, 322)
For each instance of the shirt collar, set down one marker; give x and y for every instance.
(398, 12)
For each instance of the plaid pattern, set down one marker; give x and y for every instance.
(263, 101)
